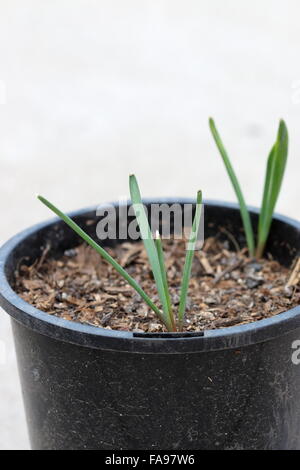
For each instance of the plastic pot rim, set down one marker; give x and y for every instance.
(233, 337)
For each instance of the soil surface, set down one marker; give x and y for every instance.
(227, 287)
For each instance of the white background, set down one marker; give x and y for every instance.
(91, 91)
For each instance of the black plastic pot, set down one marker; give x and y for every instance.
(90, 388)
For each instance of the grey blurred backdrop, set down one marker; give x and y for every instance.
(93, 90)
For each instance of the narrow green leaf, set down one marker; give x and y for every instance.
(243, 208)
(106, 256)
(274, 175)
(150, 247)
(160, 253)
(262, 229)
(189, 260)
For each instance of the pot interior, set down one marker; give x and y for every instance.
(283, 244)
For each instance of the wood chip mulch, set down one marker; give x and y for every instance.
(227, 288)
